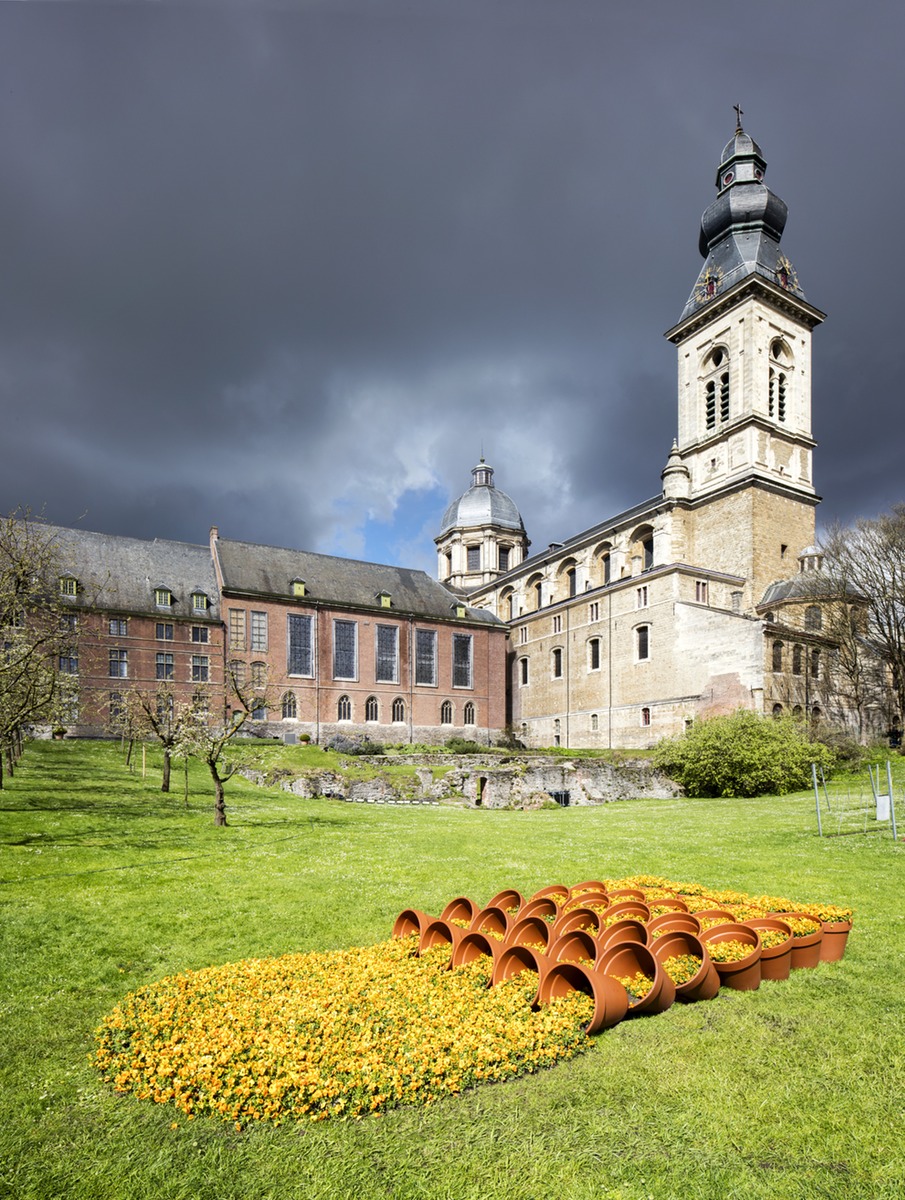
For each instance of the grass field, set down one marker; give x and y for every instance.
(796, 1090)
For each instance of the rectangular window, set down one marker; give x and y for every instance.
(199, 602)
(300, 657)
(641, 597)
(557, 624)
(345, 649)
(68, 622)
(462, 647)
(68, 586)
(387, 669)
(69, 664)
(426, 657)
(474, 558)
(119, 664)
(119, 627)
(200, 668)
(594, 654)
(259, 631)
(523, 635)
(643, 635)
(557, 663)
(237, 629)
(700, 591)
(164, 632)
(200, 634)
(163, 598)
(504, 558)
(164, 666)
(594, 611)
(237, 673)
(523, 671)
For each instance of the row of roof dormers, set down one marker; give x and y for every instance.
(155, 577)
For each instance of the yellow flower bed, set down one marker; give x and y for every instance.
(729, 951)
(682, 967)
(338, 1034)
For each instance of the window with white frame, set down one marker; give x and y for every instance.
(164, 665)
(200, 602)
(69, 585)
(164, 631)
(200, 635)
(387, 650)
(163, 597)
(642, 643)
(119, 664)
(119, 627)
(300, 645)
(345, 649)
(641, 597)
(259, 631)
(426, 657)
(594, 654)
(462, 659)
(200, 668)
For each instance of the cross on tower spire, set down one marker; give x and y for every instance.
(738, 117)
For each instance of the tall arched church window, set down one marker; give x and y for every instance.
(777, 656)
(716, 387)
(371, 709)
(344, 709)
(813, 618)
(290, 710)
(468, 715)
(446, 713)
(398, 710)
(796, 660)
(780, 374)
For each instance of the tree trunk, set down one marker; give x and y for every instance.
(220, 801)
(165, 785)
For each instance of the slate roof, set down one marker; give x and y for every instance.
(806, 585)
(251, 569)
(120, 574)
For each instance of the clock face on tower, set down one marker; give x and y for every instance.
(786, 275)
(708, 285)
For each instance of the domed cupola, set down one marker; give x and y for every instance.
(482, 534)
(742, 228)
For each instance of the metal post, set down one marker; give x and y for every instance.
(817, 799)
(892, 802)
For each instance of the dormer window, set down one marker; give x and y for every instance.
(298, 587)
(385, 600)
(69, 585)
(458, 608)
(200, 602)
(163, 597)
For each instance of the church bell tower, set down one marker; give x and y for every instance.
(744, 376)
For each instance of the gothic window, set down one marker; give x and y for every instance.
(796, 660)
(777, 656)
(594, 654)
(398, 710)
(289, 707)
(557, 663)
(462, 658)
(387, 668)
(426, 657)
(344, 709)
(446, 713)
(345, 649)
(372, 711)
(815, 664)
(780, 365)
(468, 715)
(299, 655)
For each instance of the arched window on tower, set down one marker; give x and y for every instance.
(780, 375)
(715, 375)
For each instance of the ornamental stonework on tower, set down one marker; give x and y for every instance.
(652, 618)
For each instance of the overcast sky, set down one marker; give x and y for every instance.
(288, 268)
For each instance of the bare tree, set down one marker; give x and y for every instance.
(38, 639)
(207, 739)
(155, 714)
(867, 562)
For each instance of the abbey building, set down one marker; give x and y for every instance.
(699, 600)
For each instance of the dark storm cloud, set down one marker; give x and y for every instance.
(288, 268)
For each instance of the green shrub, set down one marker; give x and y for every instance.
(742, 755)
(457, 745)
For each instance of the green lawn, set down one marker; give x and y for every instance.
(795, 1090)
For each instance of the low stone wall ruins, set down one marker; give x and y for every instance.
(513, 782)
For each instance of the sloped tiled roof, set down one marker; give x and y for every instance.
(120, 573)
(255, 570)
